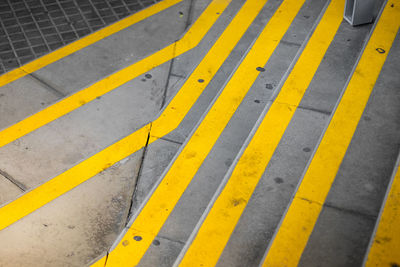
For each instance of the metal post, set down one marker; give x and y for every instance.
(359, 12)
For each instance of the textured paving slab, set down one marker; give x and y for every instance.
(30, 29)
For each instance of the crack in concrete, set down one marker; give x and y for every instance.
(321, 111)
(14, 181)
(170, 140)
(309, 201)
(171, 239)
(187, 24)
(177, 75)
(351, 211)
(290, 43)
(139, 174)
(48, 86)
(325, 112)
(342, 209)
(189, 17)
(164, 97)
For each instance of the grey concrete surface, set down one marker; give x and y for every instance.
(356, 196)
(272, 195)
(22, 98)
(138, 101)
(74, 137)
(88, 129)
(116, 51)
(76, 227)
(186, 214)
(82, 224)
(160, 153)
(86, 66)
(198, 109)
(321, 96)
(327, 251)
(8, 190)
(157, 156)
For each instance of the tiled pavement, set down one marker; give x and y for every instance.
(32, 28)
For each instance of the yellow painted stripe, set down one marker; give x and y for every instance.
(68, 104)
(151, 218)
(299, 221)
(84, 42)
(385, 248)
(210, 240)
(167, 121)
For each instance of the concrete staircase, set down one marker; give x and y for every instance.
(207, 133)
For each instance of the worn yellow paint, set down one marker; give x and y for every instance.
(68, 104)
(84, 42)
(385, 248)
(156, 211)
(223, 216)
(299, 221)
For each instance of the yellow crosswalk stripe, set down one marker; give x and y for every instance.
(70, 103)
(209, 241)
(84, 42)
(298, 223)
(157, 209)
(385, 247)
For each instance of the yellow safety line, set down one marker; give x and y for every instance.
(298, 223)
(210, 240)
(152, 216)
(68, 104)
(84, 42)
(385, 248)
(166, 122)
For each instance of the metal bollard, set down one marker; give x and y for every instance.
(359, 12)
